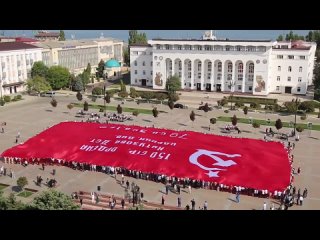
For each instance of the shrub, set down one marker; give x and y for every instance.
(173, 97)
(19, 97)
(276, 107)
(85, 106)
(213, 120)
(7, 98)
(54, 103)
(239, 104)
(307, 106)
(135, 113)
(161, 96)
(94, 98)
(79, 96)
(119, 109)
(97, 91)
(278, 124)
(254, 105)
(133, 93)
(2, 102)
(299, 128)
(255, 125)
(111, 92)
(223, 102)
(303, 117)
(245, 110)
(147, 95)
(70, 106)
(101, 109)
(123, 94)
(226, 111)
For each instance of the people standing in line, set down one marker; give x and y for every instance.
(305, 193)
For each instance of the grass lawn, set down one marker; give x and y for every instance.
(2, 187)
(264, 122)
(25, 194)
(114, 108)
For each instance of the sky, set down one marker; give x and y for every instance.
(123, 34)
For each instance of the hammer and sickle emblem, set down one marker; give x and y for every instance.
(213, 171)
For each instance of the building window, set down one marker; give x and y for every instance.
(298, 89)
(199, 75)
(151, 63)
(300, 69)
(189, 75)
(151, 73)
(250, 88)
(219, 76)
(229, 67)
(240, 68)
(250, 78)
(167, 47)
(199, 66)
(240, 77)
(227, 48)
(135, 80)
(289, 69)
(180, 65)
(135, 63)
(199, 48)
(239, 87)
(290, 56)
(158, 46)
(135, 71)
(219, 66)
(289, 79)
(302, 57)
(209, 66)
(279, 56)
(189, 66)
(208, 48)
(251, 68)
(179, 47)
(277, 88)
(143, 63)
(279, 68)
(299, 79)
(278, 78)
(209, 76)
(229, 77)
(238, 48)
(144, 72)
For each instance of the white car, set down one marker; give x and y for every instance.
(48, 94)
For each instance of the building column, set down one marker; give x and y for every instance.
(202, 75)
(173, 67)
(192, 74)
(222, 76)
(233, 88)
(212, 75)
(182, 74)
(244, 77)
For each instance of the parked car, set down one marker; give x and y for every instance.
(202, 107)
(178, 105)
(48, 94)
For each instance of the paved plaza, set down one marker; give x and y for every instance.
(34, 114)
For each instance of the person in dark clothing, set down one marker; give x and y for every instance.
(167, 189)
(305, 193)
(42, 166)
(193, 204)
(127, 184)
(81, 201)
(53, 172)
(187, 207)
(162, 200)
(122, 203)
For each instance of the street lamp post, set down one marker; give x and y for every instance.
(231, 85)
(296, 102)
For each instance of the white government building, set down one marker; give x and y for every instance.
(257, 67)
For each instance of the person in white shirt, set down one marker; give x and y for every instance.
(265, 206)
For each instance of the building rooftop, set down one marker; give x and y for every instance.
(112, 63)
(65, 44)
(140, 45)
(25, 39)
(217, 40)
(8, 46)
(47, 34)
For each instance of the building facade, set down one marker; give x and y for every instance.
(47, 36)
(257, 67)
(76, 54)
(16, 59)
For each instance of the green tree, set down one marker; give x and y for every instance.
(171, 104)
(173, 84)
(133, 93)
(234, 120)
(85, 106)
(206, 108)
(70, 106)
(290, 106)
(280, 38)
(53, 200)
(245, 110)
(54, 103)
(173, 96)
(88, 69)
(85, 78)
(77, 84)
(213, 121)
(97, 91)
(278, 124)
(62, 36)
(58, 77)
(137, 38)
(316, 79)
(72, 79)
(79, 96)
(126, 56)
(119, 109)
(107, 98)
(100, 68)
(39, 69)
(192, 117)
(155, 112)
(22, 182)
(38, 84)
